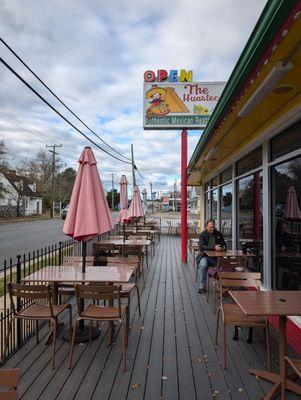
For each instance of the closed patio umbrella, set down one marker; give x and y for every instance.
(292, 210)
(88, 214)
(123, 215)
(123, 200)
(135, 209)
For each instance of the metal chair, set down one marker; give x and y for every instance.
(33, 310)
(223, 265)
(127, 288)
(99, 313)
(232, 315)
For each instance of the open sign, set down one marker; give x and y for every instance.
(172, 76)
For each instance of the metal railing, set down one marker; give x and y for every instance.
(16, 269)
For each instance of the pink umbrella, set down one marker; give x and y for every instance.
(123, 215)
(88, 214)
(135, 209)
(292, 210)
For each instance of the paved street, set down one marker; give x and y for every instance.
(20, 237)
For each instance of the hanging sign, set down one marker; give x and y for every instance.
(172, 101)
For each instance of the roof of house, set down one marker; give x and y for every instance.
(13, 179)
(272, 18)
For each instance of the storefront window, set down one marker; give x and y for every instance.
(286, 142)
(214, 182)
(252, 161)
(249, 217)
(226, 214)
(286, 200)
(214, 201)
(226, 175)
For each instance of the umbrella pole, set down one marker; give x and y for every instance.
(84, 255)
(123, 226)
(82, 302)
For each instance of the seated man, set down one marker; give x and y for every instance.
(210, 239)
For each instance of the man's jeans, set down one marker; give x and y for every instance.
(205, 263)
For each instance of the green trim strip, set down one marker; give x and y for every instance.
(271, 19)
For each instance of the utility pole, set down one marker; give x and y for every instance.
(53, 147)
(133, 167)
(113, 204)
(151, 192)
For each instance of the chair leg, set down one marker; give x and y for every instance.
(124, 344)
(208, 287)
(214, 298)
(217, 325)
(37, 331)
(128, 314)
(138, 299)
(72, 344)
(224, 346)
(267, 339)
(10, 326)
(54, 331)
(70, 319)
(143, 278)
(90, 332)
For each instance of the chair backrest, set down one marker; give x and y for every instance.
(9, 379)
(97, 292)
(102, 248)
(240, 279)
(227, 264)
(29, 292)
(138, 237)
(77, 260)
(131, 250)
(123, 260)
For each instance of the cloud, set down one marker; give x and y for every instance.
(93, 54)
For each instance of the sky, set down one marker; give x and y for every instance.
(92, 54)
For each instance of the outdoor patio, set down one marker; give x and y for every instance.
(170, 355)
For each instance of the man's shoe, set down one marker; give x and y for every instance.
(202, 290)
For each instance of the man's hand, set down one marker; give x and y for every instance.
(218, 247)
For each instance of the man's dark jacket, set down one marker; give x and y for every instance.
(204, 243)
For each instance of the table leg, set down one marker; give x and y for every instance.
(281, 383)
(282, 353)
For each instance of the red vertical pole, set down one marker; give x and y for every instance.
(184, 196)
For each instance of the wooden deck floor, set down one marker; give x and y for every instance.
(170, 354)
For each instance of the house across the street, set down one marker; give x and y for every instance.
(18, 195)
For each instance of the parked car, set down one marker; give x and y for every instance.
(64, 212)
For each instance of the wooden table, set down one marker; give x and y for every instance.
(227, 253)
(272, 303)
(73, 274)
(127, 242)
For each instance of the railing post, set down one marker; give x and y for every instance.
(18, 279)
(60, 253)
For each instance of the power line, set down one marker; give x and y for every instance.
(61, 101)
(56, 111)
